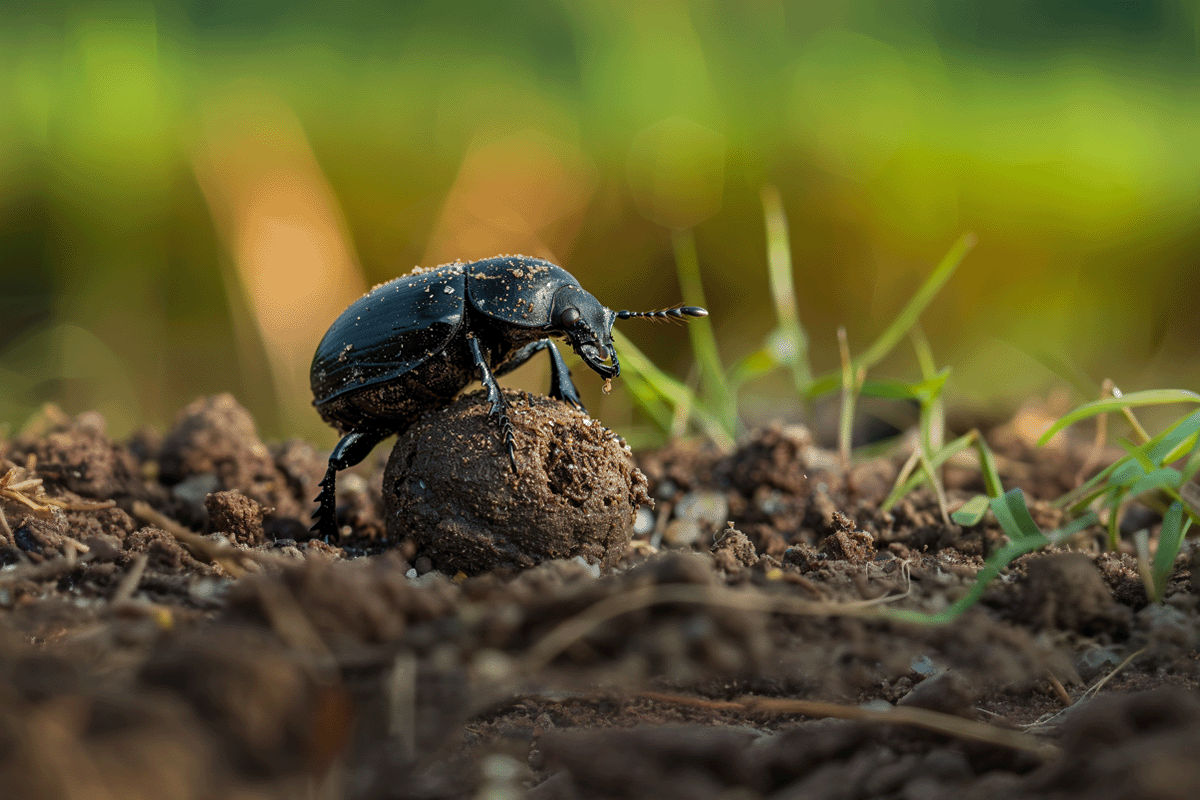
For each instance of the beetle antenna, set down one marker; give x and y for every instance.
(671, 314)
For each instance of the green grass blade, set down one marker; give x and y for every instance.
(823, 385)
(675, 393)
(987, 465)
(904, 321)
(1150, 397)
(933, 409)
(751, 366)
(923, 351)
(1138, 454)
(936, 460)
(1014, 517)
(850, 388)
(715, 389)
(1115, 499)
(908, 316)
(972, 511)
(1188, 445)
(924, 391)
(991, 568)
(1170, 537)
(789, 341)
(1162, 448)
(1159, 479)
(648, 399)
(1072, 498)
(1192, 466)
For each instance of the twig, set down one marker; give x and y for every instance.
(1087, 695)
(936, 721)
(1060, 690)
(31, 493)
(131, 579)
(224, 556)
(47, 569)
(568, 632)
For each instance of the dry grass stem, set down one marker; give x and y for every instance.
(560, 638)
(131, 579)
(936, 721)
(47, 569)
(228, 558)
(18, 486)
(1060, 690)
(1092, 691)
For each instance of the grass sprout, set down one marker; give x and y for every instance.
(1147, 473)
(1024, 536)
(664, 398)
(1155, 470)
(904, 321)
(786, 345)
(672, 405)
(716, 393)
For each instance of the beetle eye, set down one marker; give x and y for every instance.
(569, 317)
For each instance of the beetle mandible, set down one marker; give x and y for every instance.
(412, 344)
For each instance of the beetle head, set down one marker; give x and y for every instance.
(588, 328)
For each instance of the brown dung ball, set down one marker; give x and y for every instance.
(449, 487)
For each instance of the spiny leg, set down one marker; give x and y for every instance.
(499, 407)
(353, 448)
(561, 385)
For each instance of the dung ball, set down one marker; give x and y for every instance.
(450, 490)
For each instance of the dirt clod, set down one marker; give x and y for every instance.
(846, 543)
(214, 445)
(1065, 591)
(450, 490)
(236, 516)
(733, 551)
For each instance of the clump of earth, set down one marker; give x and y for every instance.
(168, 630)
(450, 490)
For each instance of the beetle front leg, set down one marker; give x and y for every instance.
(352, 449)
(561, 385)
(499, 409)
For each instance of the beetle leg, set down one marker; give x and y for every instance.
(353, 448)
(561, 385)
(499, 409)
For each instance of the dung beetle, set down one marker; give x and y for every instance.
(410, 345)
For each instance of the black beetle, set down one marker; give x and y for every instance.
(412, 344)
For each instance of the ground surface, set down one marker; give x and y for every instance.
(167, 632)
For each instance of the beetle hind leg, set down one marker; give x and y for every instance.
(353, 448)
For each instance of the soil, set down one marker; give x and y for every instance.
(167, 630)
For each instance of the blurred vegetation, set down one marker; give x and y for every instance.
(191, 191)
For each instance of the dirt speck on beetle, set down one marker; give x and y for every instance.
(450, 490)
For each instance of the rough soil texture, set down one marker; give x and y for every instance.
(450, 489)
(167, 632)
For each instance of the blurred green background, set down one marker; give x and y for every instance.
(191, 191)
